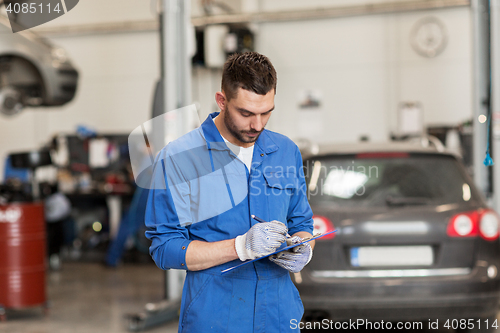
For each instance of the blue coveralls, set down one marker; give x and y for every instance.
(209, 195)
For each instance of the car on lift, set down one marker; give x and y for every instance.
(415, 238)
(33, 72)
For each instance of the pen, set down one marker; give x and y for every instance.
(258, 219)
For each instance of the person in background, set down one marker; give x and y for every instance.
(58, 216)
(131, 222)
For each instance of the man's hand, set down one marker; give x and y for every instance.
(261, 239)
(296, 258)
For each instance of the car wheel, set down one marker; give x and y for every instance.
(10, 101)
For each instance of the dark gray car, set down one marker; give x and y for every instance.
(415, 239)
(33, 71)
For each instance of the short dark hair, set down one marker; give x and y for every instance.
(251, 71)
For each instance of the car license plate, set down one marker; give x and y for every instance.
(391, 256)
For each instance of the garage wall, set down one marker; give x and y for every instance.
(118, 73)
(361, 66)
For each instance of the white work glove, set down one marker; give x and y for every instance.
(263, 238)
(294, 259)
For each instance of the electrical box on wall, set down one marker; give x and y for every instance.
(215, 54)
(216, 42)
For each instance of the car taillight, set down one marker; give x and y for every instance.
(484, 222)
(323, 225)
(488, 225)
(463, 225)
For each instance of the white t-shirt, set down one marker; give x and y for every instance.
(244, 154)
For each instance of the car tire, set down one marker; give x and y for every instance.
(10, 101)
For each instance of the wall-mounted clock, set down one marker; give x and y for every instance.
(429, 37)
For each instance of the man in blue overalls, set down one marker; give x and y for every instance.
(206, 186)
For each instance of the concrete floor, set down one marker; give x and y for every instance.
(89, 298)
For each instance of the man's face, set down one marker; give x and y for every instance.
(246, 115)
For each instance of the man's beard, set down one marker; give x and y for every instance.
(240, 135)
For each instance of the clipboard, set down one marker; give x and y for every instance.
(305, 240)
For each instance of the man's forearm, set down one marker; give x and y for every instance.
(202, 255)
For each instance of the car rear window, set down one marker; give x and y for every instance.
(387, 180)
